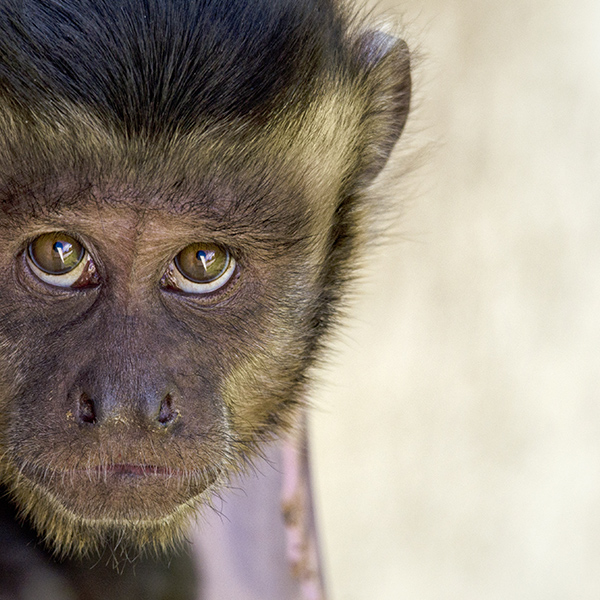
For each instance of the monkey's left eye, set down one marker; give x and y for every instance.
(200, 268)
(59, 259)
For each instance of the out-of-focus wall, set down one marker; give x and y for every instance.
(457, 443)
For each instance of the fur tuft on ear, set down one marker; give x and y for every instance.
(385, 63)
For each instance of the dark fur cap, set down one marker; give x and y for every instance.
(152, 65)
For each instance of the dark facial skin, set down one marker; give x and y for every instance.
(122, 423)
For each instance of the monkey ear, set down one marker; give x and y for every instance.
(385, 61)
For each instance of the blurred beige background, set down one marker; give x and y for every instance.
(457, 440)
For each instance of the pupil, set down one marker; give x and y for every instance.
(63, 249)
(202, 263)
(204, 258)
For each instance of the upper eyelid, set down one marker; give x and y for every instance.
(92, 253)
(173, 273)
(89, 248)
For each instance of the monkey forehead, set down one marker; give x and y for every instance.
(250, 109)
(227, 174)
(131, 225)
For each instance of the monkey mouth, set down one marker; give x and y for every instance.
(133, 470)
(123, 491)
(136, 507)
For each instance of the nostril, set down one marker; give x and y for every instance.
(87, 411)
(167, 413)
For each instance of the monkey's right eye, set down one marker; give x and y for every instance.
(59, 259)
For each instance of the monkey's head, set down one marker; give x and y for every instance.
(182, 188)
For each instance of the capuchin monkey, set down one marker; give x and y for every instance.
(183, 194)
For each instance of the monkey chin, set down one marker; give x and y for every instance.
(124, 512)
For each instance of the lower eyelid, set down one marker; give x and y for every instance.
(65, 280)
(178, 281)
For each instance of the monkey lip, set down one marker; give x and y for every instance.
(125, 491)
(133, 470)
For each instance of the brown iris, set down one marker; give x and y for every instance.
(55, 253)
(202, 263)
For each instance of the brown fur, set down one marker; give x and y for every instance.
(286, 195)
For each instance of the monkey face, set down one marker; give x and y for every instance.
(146, 353)
(182, 193)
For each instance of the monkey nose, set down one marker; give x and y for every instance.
(167, 412)
(104, 408)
